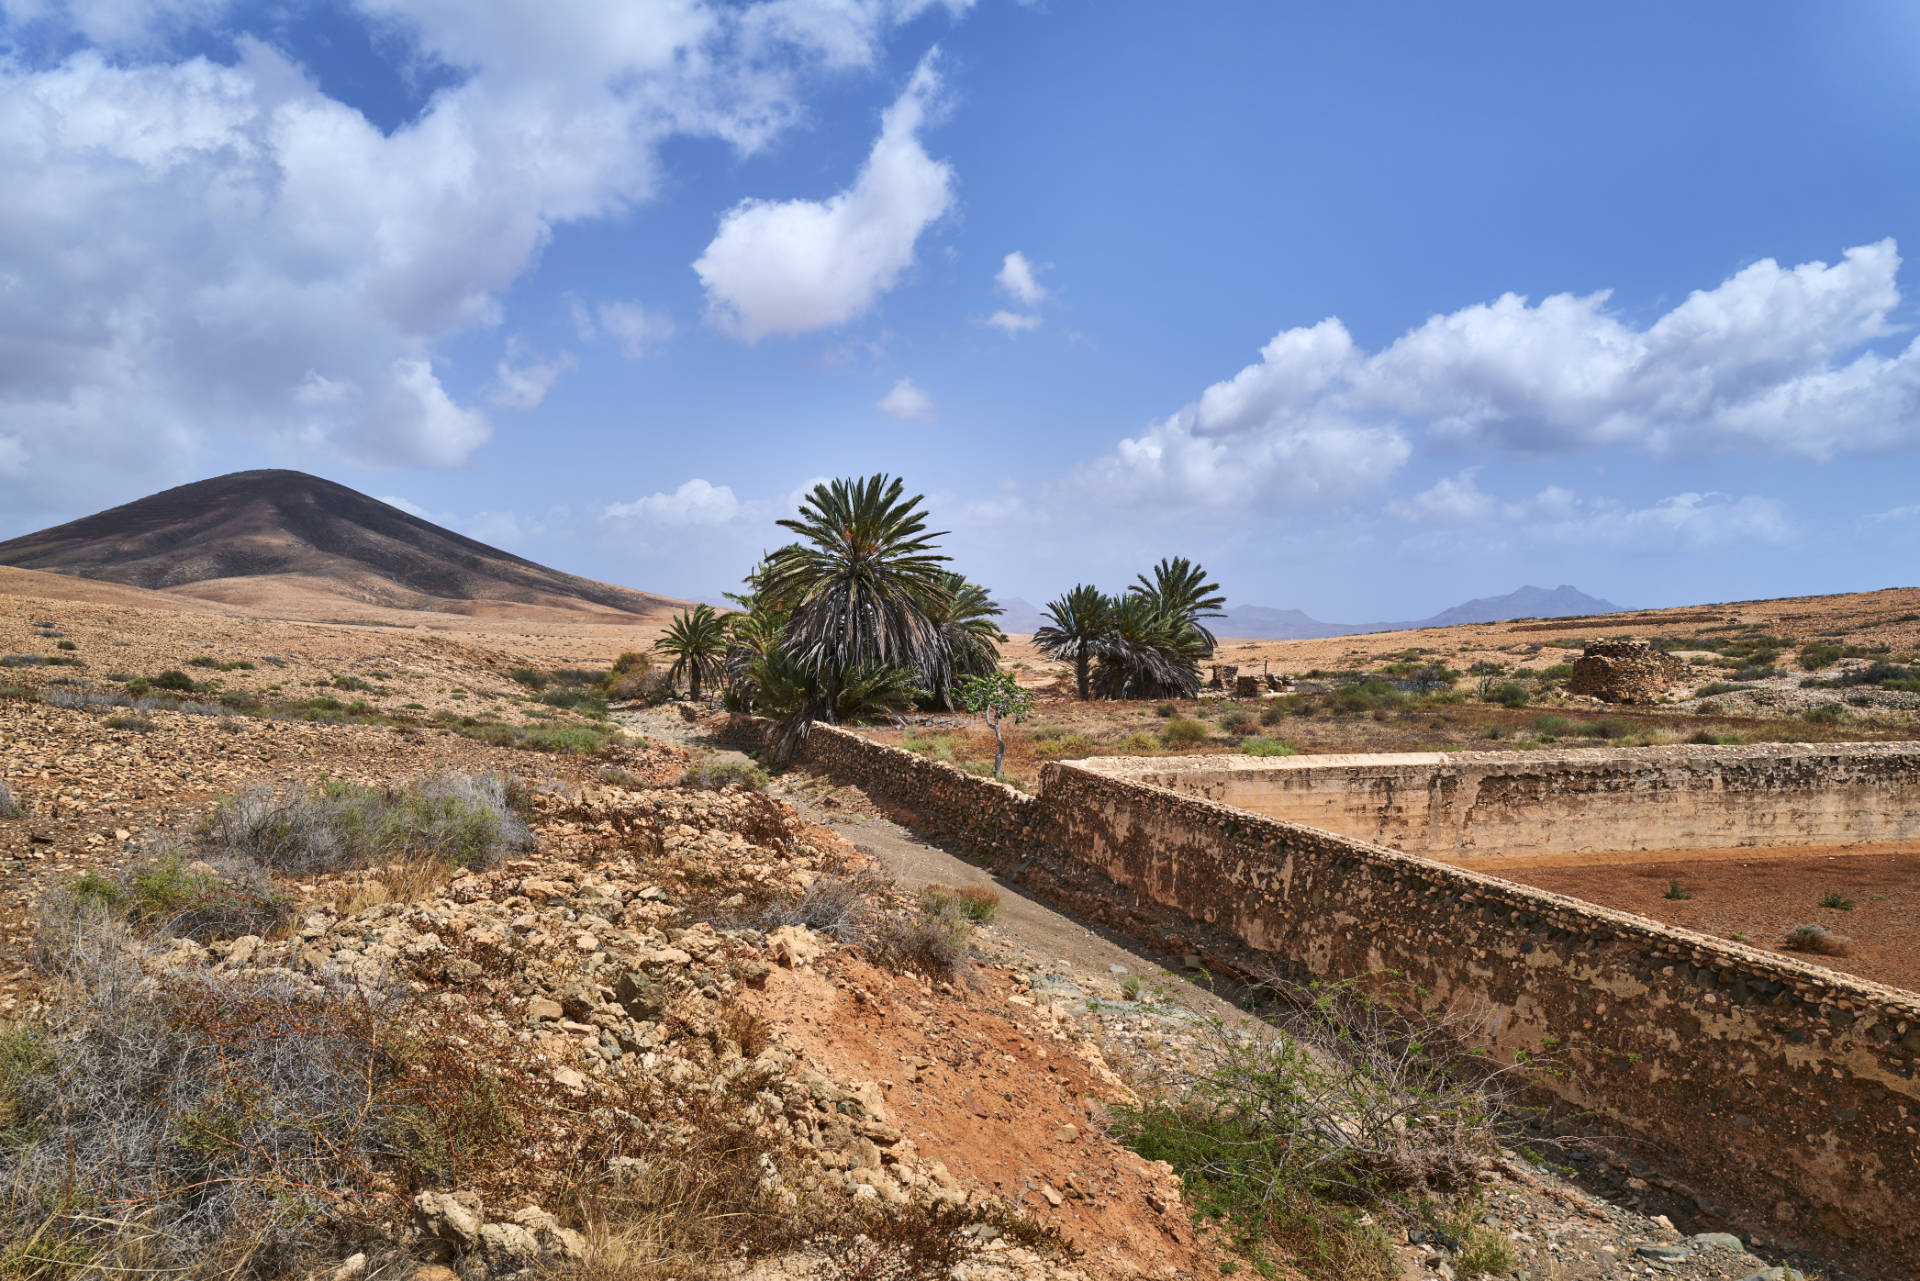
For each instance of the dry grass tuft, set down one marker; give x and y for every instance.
(466, 820)
(1818, 940)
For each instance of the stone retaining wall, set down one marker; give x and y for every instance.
(1781, 1096)
(1785, 1094)
(1480, 807)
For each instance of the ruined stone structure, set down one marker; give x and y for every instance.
(1624, 671)
(1769, 1092)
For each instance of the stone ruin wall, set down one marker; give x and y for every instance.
(1480, 807)
(1775, 1094)
(1624, 671)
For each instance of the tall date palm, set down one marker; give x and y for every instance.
(1180, 589)
(863, 582)
(1079, 629)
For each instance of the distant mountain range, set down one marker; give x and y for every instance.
(1259, 622)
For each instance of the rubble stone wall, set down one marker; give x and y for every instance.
(983, 810)
(1786, 1095)
(1480, 807)
(1624, 671)
(1776, 1095)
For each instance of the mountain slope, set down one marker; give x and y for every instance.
(300, 544)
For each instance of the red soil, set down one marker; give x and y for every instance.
(1761, 894)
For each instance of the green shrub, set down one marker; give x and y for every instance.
(1508, 694)
(1239, 721)
(977, 903)
(1837, 901)
(1484, 1252)
(173, 679)
(66, 645)
(1261, 745)
(1819, 656)
(561, 740)
(1164, 710)
(1062, 747)
(1675, 890)
(1712, 688)
(1607, 727)
(195, 898)
(1824, 714)
(1183, 731)
(936, 938)
(1279, 1138)
(1367, 696)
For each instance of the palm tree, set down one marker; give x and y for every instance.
(968, 633)
(1148, 652)
(1180, 588)
(863, 583)
(1079, 628)
(697, 639)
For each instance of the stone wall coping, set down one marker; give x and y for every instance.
(1700, 950)
(1584, 758)
(1009, 794)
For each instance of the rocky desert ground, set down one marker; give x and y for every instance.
(669, 1029)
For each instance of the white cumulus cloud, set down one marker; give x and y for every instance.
(907, 401)
(195, 251)
(1014, 322)
(1775, 360)
(697, 502)
(795, 266)
(1276, 430)
(1017, 281)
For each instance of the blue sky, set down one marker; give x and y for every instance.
(1371, 309)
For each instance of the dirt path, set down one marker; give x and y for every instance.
(1094, 963)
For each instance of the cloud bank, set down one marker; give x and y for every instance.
(1772, 360)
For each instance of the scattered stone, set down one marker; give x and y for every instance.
(452, 1217)
(795, 946)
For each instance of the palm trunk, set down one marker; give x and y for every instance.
(1081, 673)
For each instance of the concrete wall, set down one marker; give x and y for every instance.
(1780, 1095)
(1479, 807)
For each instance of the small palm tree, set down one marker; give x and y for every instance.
(697, 639)
(863, 583)
(1180, 589)
(1077, 631)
